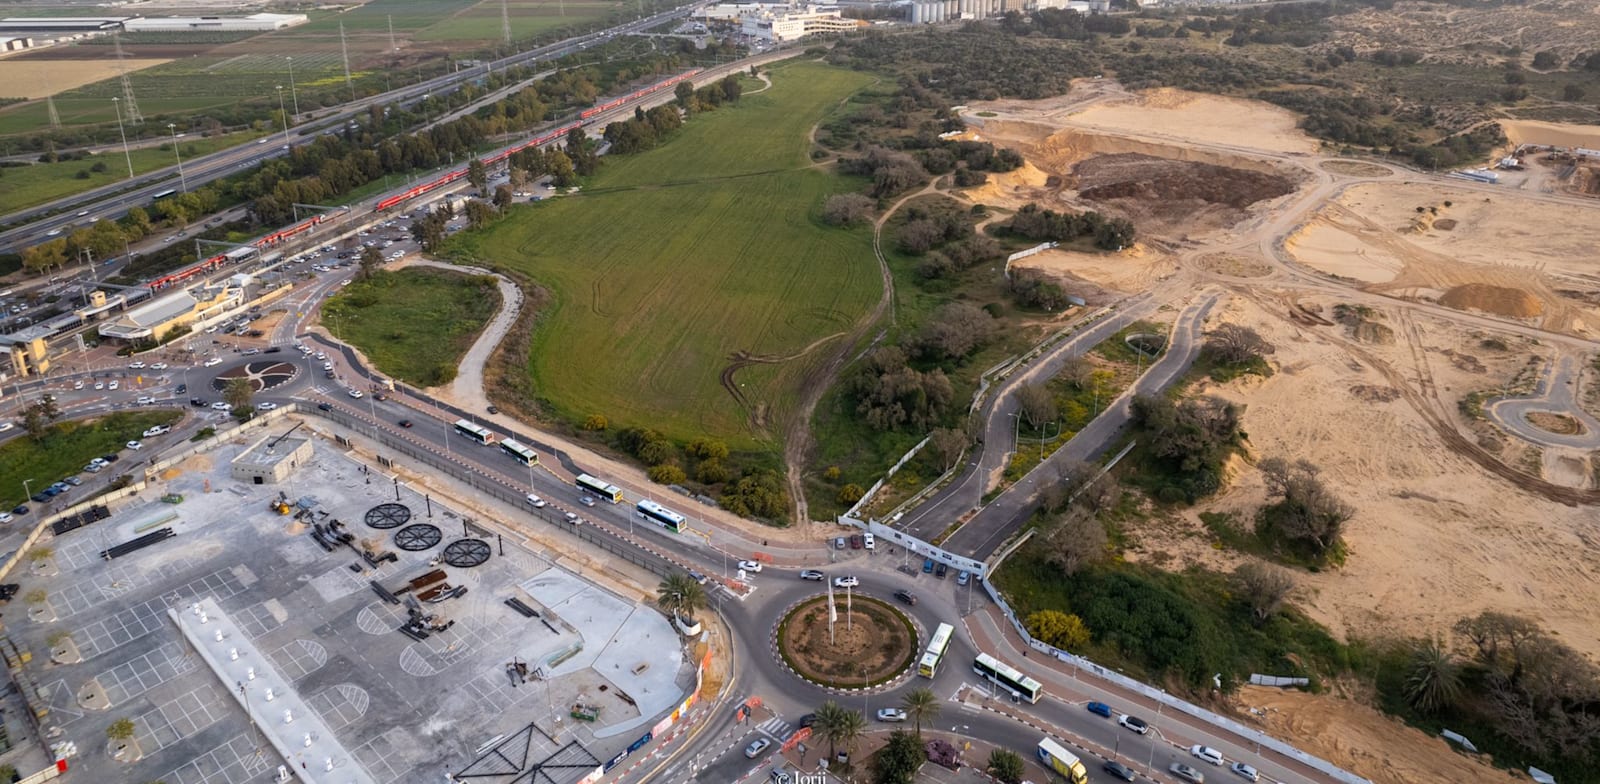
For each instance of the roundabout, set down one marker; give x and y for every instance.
(869, 645)
(262, 375)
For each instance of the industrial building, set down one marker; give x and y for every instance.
(936, 11)
(792, 24)
(271, 459)
(180, 24)
(61, 24)
(155, 320)
(15, 43)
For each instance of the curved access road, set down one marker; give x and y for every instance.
(1556, 394)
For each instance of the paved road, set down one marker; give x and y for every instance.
(1556, 394)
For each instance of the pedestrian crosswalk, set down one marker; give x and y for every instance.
(776, 727)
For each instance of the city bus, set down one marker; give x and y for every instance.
(1062, 761)
(520, 452)
(600, 487)
(162, 195)
(936, 647)
(662, 516)
(477, 434)
(1007, 677)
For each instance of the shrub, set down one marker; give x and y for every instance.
(667, 474)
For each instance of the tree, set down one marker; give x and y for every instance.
(684, 92)
(1088, 486)
(38, 416)
(1075, 541)
(667, 474)
(946, 444)
(1057, 628)
(478, 175)
(479, 213)
(238, 393)
(838, 725)
(1545, 60)
(897, 762)
(1264, 588)
(121, 730)
(920, 705)
(371, 259)
(1501, 641)
(1307, 512)
(503, 197)
(1006, 766)
(1077, 372)
(1572, 93)
(1433, 678)
(707, 449)
(595, 422)
(954, 331)
(429, 232)
(847, 209)
(1036, 404)
(680, 594)
(731, 88)
(1233, 344)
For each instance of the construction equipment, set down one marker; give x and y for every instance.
(279, 504)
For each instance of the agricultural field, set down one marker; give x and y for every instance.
(26, 186)
(693, 287)
(415, 323)
(37, 78)
(528, 18)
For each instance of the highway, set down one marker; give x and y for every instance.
(112, 201)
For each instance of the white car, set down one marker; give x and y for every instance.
(321, 355)
(846, 582)
(753, 567)
(159, 366)
(77, 384)
(356, 393)
(535, 501)
(113, 385)
(158, 430)
(891, 714)
(99, 385)
(266, 406)
(146, 400)
(221, 405)
(1207, 753)
(136, 366)
(4, 426)
(756, 747)
(869, 541)
(135, 445)
(5, 517)
(212, 362)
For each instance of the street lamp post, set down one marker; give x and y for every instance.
(284, 113)
(183, 184)
(117, 103)
(27, 492)
(293, 96)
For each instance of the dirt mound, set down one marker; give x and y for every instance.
(1372, 332)
(1499, 300)
(1148, 178)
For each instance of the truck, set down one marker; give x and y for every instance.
(1055, 757)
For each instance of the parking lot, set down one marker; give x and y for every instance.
(407, 709)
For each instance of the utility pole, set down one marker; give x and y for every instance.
(344, 47)
(505, 23)
(294, 98)
(182, 183)
(127, 84)
(117, 104)
(393, 47)
(50, 99)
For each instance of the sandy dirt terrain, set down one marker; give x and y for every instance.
(1131, 271)
(1499, 254)
(27, 78)
(1557, 134)
(1203, 118)
(1434, 538)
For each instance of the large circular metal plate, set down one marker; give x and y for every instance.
(417, 537)
(465, 553)
(386, 516)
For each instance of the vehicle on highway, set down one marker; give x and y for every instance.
(5, 517)
(145, 400)
(1119, 770)
(891, 714)
(1007, 677)
(848, 581)
(753, 567)
(327, 366)
(756, 747)
(1187, 773)
(266, 406)
(1055, 757)
(406, 423)
(4, 426)
(812, 574)
(586, 500)
(250, 352)
(135, 445)
(1099, 709)
(182, 388)
(1134, 723)
(534, 501)
(938, 645)
(906, 596)
(77, 384)
(1246, 772)
(1207, 753)
(805, 721)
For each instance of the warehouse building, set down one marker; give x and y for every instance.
(208, 24)
(27, 25)
(271, 459)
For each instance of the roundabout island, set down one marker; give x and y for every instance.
(869, 643)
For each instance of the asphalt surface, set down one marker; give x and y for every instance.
(1556, 394)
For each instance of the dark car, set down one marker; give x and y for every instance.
(939, 571)
(856, 542)
(273, 350)
(40, 497)
(927, 566)
(20, 510)
(1119, 770)
(198, 402)
(404, 423)
(493, 410)
(907, 597)
(182, 388)
(808, 720)
(324, 407)
(1100, 709)
(111, 458)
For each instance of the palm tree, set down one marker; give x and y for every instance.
(839, 725)
(1434, 680)
(680, 594)
(920, 705)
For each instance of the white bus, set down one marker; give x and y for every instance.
(936, 648)
(600, 487)
(520, 452)
(662, 516)
(477, 434)
(1007, 677)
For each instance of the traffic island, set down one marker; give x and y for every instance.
(868, 644)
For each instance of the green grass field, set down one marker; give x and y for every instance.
(25, 186)
(670, 261)
(67, 448)
(414, 322)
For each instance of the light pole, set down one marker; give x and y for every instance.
(1041, 437)
(284, 113)
(293, 97)
(183, 184)
(116, 102)
(27, 492)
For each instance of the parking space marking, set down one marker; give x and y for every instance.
(139, 675)
(237, 761)
(376, 755)
(181, 717)
(258, 619)
(150, 616)
(299, 658)
(341, 704)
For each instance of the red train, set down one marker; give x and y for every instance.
(276, 238)
(586, 116)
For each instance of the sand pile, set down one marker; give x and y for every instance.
(1148, 178)
(1499, 300)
